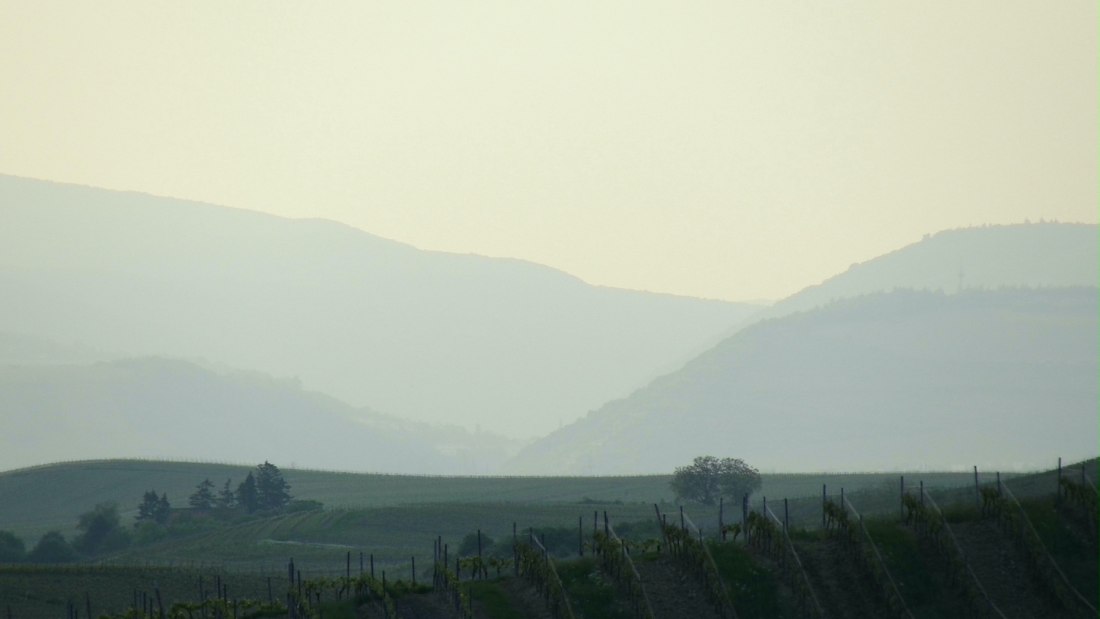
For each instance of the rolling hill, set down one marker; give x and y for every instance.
(911, 379)
(249, 555)
(176, 409)
(511, 346)
(41, 498)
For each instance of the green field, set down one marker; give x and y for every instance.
(45, 498)
(398, 528)
(391, 517)
(319, 541)
(51, 497)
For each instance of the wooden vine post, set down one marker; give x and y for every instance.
(1058, 482)
(580, 535)
(721, 524)
(901, 499)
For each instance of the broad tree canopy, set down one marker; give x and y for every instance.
(708, 478)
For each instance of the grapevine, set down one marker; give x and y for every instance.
(694, 555)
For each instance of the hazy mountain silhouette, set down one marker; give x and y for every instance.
(886, 381)
(971, 259)
(174, 409)
(513, 346)
(20, 349)
(1032, 255)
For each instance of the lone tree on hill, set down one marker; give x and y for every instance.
(708, 478)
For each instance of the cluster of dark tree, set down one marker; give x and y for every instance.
(263, 490)
(100, 530)
(708, 478)
(154, 509)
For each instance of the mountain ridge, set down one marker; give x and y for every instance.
(429, 336)
(915, 354)
(1027, 254)
(324, 221)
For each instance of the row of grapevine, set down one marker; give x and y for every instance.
(1081, 496)
(303, 600)
(1000, 503)
(304, 597)
(764, 531)
(927, 519)
(692, 552)
(534, 564)
(615, 561)
(212, 604)
(865, 553)
(216, 609)
(447, 584)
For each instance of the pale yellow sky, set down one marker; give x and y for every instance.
(725, 149)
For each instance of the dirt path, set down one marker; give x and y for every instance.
(673, 593)
(1002, 571)
(923, 583)
(785, 597)
(1079, 525)
(840, 586)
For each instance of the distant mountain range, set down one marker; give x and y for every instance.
(817, 379)
(509, 346)
(137, 326)
(906, 379)
(176, 409)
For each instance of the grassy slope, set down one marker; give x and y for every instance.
(916, 572)
(757, 586)
(1077, 557)
(51, 497)
(48, 497)
(319, 541)
(754, 589)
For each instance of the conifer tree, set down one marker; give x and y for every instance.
(147, 510)
(163, 509)
(247, 495)
(226, 500)
(272, 490)
(203, 497)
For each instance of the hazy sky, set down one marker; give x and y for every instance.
(724, 149)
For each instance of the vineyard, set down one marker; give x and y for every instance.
(992, 546)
